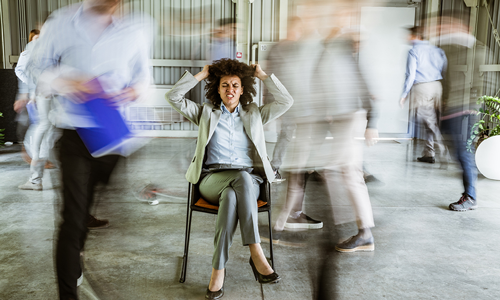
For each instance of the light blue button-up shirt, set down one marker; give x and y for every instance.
(230, 143)
(426, 63)
(70, 46)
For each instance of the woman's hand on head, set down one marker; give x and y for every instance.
(259, 73)
(203, 74)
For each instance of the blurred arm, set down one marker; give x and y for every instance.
(411, 69)
(446, 76)
(22, 96)
(22, 88)
(282, 100)
(368, 101)
(21, 66)
(141, 74)
(142, 70)
(370, 105)
(185, 107)
(44, 59)
(23, 80)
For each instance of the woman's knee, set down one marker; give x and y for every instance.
(244, 178)
(229, 197)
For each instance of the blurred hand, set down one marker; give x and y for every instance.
(203, 74)
(402, 102)
(259, 73)
(75, 89)
(21, 102)
(371, 134)
(124, 96)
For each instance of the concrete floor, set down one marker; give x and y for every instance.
(423, 250)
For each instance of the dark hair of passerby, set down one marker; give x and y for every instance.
(417, 31)
(226, 21)
(33, 33)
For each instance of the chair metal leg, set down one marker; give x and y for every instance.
(189, 215)
(186, 249)
(271, 239)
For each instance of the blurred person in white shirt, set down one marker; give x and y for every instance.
(78, 44)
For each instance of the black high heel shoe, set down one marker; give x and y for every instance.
(218, 294)
(271, 278)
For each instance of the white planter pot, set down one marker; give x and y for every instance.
(488, 158)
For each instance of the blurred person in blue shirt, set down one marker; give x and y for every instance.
(424, 70)
(78, 44)
(222, 44)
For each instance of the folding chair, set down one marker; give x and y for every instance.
(197, 203)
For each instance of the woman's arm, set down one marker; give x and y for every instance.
(283, 99)
(20, 69)
(175, 96)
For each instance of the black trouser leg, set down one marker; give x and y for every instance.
(79, 176)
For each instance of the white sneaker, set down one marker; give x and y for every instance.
(303, 221)
(79, 280)
(31, 186)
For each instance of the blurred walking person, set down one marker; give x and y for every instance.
(222, 42)
(425, 65)
(86, 51)
(42, 134)
(296, 77)
(458, 109)
(26, 92)
(341, 86)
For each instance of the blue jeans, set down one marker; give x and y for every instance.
(452, 129)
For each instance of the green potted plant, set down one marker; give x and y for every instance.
(485, 136)
(489, 123)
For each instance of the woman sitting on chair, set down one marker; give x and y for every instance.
(231, 160)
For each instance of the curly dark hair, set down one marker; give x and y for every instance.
(229, 67)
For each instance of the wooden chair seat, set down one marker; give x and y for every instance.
(203, 203)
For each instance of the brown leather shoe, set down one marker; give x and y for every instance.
(427, 159)
(356, 243)
(96, 223)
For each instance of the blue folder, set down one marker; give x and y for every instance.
(111, 130)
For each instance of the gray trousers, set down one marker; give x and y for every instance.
(426, 98)
(236, 193)
(342, 155)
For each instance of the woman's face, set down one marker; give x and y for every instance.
(230, 90)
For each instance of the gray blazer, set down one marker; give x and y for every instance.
(206, 116)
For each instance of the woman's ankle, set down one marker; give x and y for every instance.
(216, 280)
(262, 265)
(260, 260)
